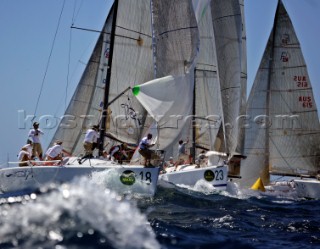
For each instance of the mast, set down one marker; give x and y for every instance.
(108, 79)
(154, 49)
(193, 150)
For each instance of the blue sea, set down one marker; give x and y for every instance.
(85, 215)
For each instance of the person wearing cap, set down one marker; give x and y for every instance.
(34, 136)
(118, 152)
(55, 152)
(90, 138)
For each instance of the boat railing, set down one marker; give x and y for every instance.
(37, 163)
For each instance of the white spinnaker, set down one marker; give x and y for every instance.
(164, 99)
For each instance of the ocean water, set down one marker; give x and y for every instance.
(83, 214)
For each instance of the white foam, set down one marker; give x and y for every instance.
(118, 219)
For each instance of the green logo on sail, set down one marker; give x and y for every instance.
(128, 177)
(136, 90)
(209, 175)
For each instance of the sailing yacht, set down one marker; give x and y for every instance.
(121, 56)
(283, 139)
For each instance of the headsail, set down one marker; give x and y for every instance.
(256, 137)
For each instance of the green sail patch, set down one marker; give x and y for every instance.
(136, 90)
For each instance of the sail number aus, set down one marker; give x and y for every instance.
(216, 175)
(306, 101)
(301, 81)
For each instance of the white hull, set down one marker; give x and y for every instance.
(308, 188)
(189, 175)
(134, 179)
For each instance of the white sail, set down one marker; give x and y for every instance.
(201, 9)
(132, 63)
(175, 49)
(208, 106)
(241, 136)
(76, 117)
(284, 135)
(176, 32)
(164, 99)
(256, 138)
(227, 24)
(291, 95)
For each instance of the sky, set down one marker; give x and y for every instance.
(30, 85)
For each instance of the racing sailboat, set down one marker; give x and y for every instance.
(283, 139)
(121, 56)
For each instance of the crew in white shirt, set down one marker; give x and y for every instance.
(55, 152)
(34, 136)
(90, 138)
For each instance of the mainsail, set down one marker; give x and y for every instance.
(132, 63)
(71, 133)
(241, 135)
(208, 106)
(175, 49)
(284, 135)
(227, 24)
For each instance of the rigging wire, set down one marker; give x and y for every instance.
(49, 59)
(68, 69)
(69, 53)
